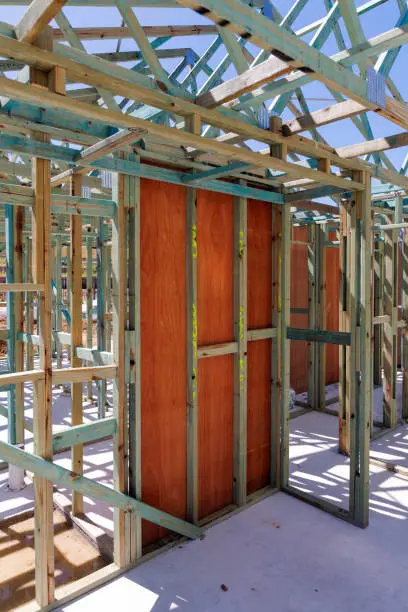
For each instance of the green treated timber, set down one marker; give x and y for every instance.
(94, 355)
(132, 168)
(323, 504)
(61, 337)
(80, 434)
(63, 477)
(246, 22)
(319, 335)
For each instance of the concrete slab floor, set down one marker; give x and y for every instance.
(280, 555)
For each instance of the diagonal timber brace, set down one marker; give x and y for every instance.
(59, 475)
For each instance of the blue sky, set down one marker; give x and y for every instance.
(374, 22)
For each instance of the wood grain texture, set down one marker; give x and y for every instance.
(299, 354)
(215, 268)
(259, 352)
(332, 310)
(215, 325)
(163, 350)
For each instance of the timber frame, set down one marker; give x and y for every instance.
(79, 132)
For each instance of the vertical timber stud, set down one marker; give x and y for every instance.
(240, 358)
(19, 319)
(280, 351)
(311, 250)
(378, 310)
(361, 329)
(42, 400)
(58, 283)
(68, 287)
(320, 302)
(390, 326)
(131, 191)
(11, 322)
(89, 310)
(404, 352)
(344, 319)
(193, 125)
(122, 519)
(29, 306)
(276, 224)
(285, 344)
(76, 336)
(100, 324)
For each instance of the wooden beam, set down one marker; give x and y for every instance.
(249, 80)
(108, 145)
(37, 16)
(128, 83)
(183, 138)
(113, 32)
(247, 23)
(78, 375)
(371, 146)
(330, 114)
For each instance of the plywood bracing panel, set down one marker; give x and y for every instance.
(299, 350)
(163, 345)
(259, 352)
(215, 375)
(332, 311)
(163, 350)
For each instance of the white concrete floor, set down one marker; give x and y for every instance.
(280, 555)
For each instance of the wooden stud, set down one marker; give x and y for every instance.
(89, 309)
(76, 337)
(19, 319)
(312, 281)
(404, 349)
(11, 322)
(285, 345)
(320, 303)
(122, 520)
(192, 125)
(361, 402)
(132, 203)
(240, 359)
(100, 320)
(344, 320)
(378, 288)
(275, 458)
(42, 398)
(390, 327)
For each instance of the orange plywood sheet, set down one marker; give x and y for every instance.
(215, 433)
(163, 350)
(299, 351)
(332, 310)
(259, 353)
(215, 325)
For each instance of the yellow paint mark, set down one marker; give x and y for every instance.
(241, 244)
(241, 322)
(241, 374)
(194, 241)
(194, 330)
